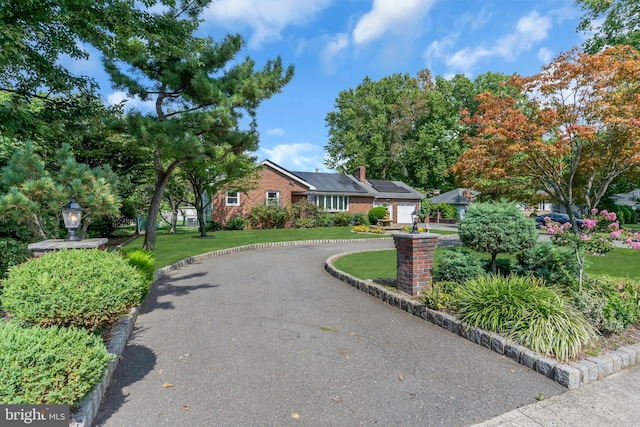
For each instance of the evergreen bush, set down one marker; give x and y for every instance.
(267, 216)
(13, 253)
(497, 228)
(85, 288)
(342, 219)
(236, 223)
(457, 265)
(554, 264)
(144, 262)
(360, 219)
(49, 365)
(376, 214)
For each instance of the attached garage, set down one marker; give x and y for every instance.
(404, 212)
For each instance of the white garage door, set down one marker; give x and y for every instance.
(404, 213)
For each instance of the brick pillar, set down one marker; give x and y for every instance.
(415, 261)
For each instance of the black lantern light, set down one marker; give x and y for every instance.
(415, 215)
(72, 215)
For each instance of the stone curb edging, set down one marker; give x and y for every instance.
(88, 408)
(570, 375)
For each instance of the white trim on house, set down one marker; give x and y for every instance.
(272, 197)
(288, 174)
(227, 197)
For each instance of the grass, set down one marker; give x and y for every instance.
(170, 248)
(382, 264)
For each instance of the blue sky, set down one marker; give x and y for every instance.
(335, 44)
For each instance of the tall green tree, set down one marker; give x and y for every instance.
(34, 195)
(405, 128)
(201, 93)
(36, 36)
(612, 22)
(207, 178)
(370, 125)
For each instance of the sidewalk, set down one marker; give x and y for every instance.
(612, 401)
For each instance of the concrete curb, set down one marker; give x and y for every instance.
(88, 408)
(571, 375)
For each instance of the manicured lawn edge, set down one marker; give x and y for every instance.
(570, 375)
(88, 408)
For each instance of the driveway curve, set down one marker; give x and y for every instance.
(268, 338)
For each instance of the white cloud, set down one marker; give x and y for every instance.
(297, 156)
(130, 103)
(276, 131)
(529, 31)
(544, 55)
(332, 52)
(267, 18)
(390, 16)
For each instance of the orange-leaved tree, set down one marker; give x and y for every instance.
(575, 129)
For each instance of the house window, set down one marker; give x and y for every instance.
(332, 203)
(273, 197)
(233, 198)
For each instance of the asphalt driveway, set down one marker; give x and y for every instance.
(268, 338)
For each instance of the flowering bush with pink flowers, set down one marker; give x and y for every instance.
(595, 236)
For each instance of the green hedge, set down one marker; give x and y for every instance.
(85, 288)
(49, 365)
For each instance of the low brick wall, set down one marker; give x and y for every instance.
(571, 375)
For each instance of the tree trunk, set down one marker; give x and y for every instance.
(494, 266)
(154, 210)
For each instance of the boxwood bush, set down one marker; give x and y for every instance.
(49, 365)
(85, 288)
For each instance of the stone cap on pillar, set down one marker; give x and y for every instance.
(56, 244)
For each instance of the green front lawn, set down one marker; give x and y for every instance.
(170, 248)
(382, 264)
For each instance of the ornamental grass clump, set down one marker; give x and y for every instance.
(49, 365)
(83, 288)
(524, 310)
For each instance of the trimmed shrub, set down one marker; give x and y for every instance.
(497, 228)
(85, 288)
(611, 304)
(525, 311)
(144, 262)
(457, 265)
(236, 223)
(324, 219)
(342, 219)
(441, 295)
(13, 253)
(49, 365)
(305, 223)
(267, 216)
(553, 264)
(376, 214)
(214, 226)
(360, 219)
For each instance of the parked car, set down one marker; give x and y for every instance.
(560, 218)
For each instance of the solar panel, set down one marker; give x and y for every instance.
(384, 186)
(331, 182)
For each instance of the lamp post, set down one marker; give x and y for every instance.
(72, 215)
(415, 215)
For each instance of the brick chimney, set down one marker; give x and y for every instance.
(361, 173)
